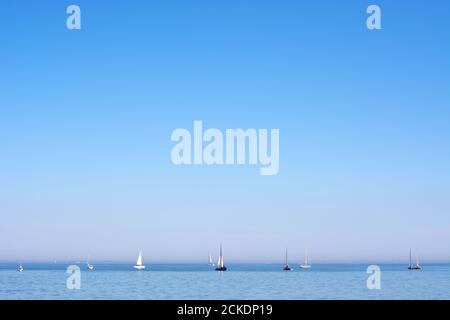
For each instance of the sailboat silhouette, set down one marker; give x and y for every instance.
(411, 266)
(220, 264)
(286, 265)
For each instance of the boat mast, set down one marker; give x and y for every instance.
(220, 263)
(410, 259)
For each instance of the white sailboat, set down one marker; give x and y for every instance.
(220, 264)
(411, 266)
(211, 262)
(306, 264)
(89, 266)
(139, 265)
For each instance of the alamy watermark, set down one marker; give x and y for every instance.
(373, 22)
(214, 147)
(73, 21)
(374, 280)
(74, 279)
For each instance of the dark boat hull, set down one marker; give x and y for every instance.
(221, 269)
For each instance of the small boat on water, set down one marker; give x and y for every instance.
(89, 266)
(139, 265)
(20, 268)
(220, 264)
(286, 264)
(306, 264)
(417, 266)
(211, 262)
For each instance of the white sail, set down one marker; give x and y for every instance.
(89, 266)
(211, 262)
(411, 266)
(410, 259)
(139, 260)
(306, 265)
(139, 265)
(220, 261)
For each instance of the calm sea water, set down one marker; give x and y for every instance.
(242, 281)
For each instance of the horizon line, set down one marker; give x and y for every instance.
(175, 262)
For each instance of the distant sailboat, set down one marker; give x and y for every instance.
(286, 265)
(220, 264)
(211, 262)
(89, 266)
(306, 265)
(411, 266)
(139, 265)
(20, 268)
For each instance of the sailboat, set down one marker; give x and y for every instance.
(139, 265)
(411, 266)
(306, 265)
(211, 262)
(89, 266)
(20, 268)
(220, 265)
(286, 265)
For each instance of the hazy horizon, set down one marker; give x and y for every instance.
(292, 262)
(294, 258)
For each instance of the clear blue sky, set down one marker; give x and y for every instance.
(86, 118)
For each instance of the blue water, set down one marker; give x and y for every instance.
(242, 281)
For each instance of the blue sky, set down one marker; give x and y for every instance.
(86, 118)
